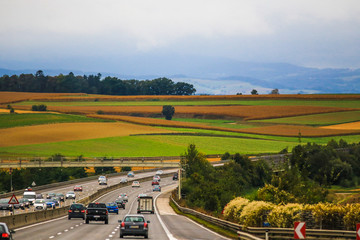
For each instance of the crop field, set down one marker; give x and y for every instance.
(317, 119)
(163, 145)
(99, 125)
(26, 119)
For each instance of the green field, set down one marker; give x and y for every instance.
(217, 123)
(138, 146)
(27, 119)
(287, 102)
(316, 119)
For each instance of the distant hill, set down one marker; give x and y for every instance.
(231, 77)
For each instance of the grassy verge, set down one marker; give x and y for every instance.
(213, 227)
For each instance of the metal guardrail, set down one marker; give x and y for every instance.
(256, 233)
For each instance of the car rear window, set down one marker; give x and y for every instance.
(2, 229)
(96, 205)
(76, 206)
(134, 219)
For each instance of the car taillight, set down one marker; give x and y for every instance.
(106, 212)
(70, 210)
(5, 235)
(123, 224)
(82, 211)
(145, 225)
(87, 212)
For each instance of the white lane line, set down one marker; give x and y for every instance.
(170, 236)
(110, 236)
(36, 224)
(51, 237)
(59, 233)
(71, 227)
(113, 233)
(66, 230)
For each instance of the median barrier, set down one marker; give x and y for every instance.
(24, 219)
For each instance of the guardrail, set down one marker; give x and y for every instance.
(24, 219)
(257, 233)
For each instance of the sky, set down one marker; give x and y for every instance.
(146, 36)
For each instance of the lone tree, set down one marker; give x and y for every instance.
(168, 111)
(275, 91)
(254, 92)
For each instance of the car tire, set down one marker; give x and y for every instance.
(121, 236)
(87, 221)
(69, 218)
(106, 221)
(146, 236)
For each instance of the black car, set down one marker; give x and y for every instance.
(5, 232)
(4, 204)
(77, 210)
(134, 225)
(61, 197)
(120, 203)
(176, 176)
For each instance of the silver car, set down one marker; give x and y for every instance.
(5, 232)
(70, 195)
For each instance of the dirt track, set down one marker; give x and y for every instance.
(69, 131)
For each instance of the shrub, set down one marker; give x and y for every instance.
(168, 111)
(100, 112)
(255, 213)
(352, 216)
(226, 156)
(233, 209)
(327, 215)
(285, 216)
(40, 107)
(269, 193)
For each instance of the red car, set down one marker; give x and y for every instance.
(155, 182)
(78, 188)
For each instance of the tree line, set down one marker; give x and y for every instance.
(92, 84)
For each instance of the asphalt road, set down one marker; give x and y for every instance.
(164, 224)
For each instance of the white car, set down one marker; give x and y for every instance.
(70, 195)
(123, 180)
(157, 178)
(159, 172)
(124, 197)
(40, 204)
(135, 184)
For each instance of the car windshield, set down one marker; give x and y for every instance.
(39, 201)
(134, 219)
(49, 200)
(29, 196)
(60, 194)
(76, 206)
(70, 193)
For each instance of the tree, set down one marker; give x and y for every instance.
(254, 92)
(168, 111)
(275, 91)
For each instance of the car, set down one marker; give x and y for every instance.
(156, 188)
(131, 174)
(40, 204)
(25, 201)
(39, 196)
(70, 195)
(123, 180)
(112, 207)
(76, 210)
(61, 197)
(157, 177)
(97, 212)
(78, 188)
(102, 180)
(5, 232)
(159, 172)
(135, 184)
(56, 200)
(120, 203)
(4, 204)
(50, 195)
(134, 225)
(50, 204)
(176, 176)
(155, 182)
(124, 197)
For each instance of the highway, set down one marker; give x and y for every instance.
(164, 224)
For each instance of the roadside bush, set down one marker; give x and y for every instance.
(327, 215)
(285, 216)
(226, 156)
(352, 216)
(233, 209)
(255, 213)
(272, 194)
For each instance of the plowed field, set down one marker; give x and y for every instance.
(244, 112)
(70, 131)
(345, 126)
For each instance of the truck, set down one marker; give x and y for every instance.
(145, 204)
(30, 195)
(97, 212)
(102, 180)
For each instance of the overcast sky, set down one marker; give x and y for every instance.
(98, 35)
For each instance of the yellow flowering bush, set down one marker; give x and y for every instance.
(254, 213)
(327, 215)
(233, 209)
(352, 216)
(285, 216)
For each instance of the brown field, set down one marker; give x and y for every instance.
(92, 97)
(11, 97)
(242, 112)
(276, 130)
(345, 126)
(70, 131)
(22, 111)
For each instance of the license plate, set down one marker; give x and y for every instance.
(76, 211)
(96, 216)
(134, 226)
(38, 207)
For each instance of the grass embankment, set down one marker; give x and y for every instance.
(213, 227)
(28, 119)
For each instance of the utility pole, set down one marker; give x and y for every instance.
(10, 172)
(179, 185)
